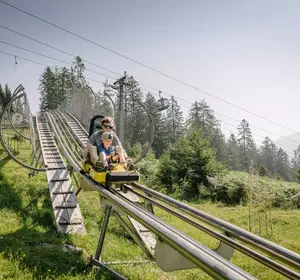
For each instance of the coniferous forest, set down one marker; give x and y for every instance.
(187, 155)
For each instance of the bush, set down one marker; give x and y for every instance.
(149, 169)
(188, 163)
(230, 190)
(287, 197)
(263, 171)
(134, 151)
(239, 187)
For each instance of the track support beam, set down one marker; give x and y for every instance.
(103, 231)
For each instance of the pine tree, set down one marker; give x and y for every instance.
(5, 96)
(73, 75)
(296, 158)
(55, 92)
(56, 85)
(53, 88)
(201, 116)
(246, 145)
(64, 87)
(268, 152)
(137, 123)
(46, 86)
(160, 141)
(282, 164)
(233, 153)
(78, 70)
(174, 119)
(218, 143)
(296, 165)
(1, 99)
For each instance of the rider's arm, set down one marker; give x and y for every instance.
(92, 139)
(90, 142)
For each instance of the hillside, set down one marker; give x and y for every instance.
(288, 145)
(30, 248)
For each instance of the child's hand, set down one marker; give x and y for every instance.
(115, 158)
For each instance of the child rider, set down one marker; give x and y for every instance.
(106, 152)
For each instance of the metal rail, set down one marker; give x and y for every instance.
(203, 257)
(229, 241)
(154, 197)
(16, 96)
(280, 252)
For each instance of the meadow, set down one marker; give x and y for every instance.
(30, 247)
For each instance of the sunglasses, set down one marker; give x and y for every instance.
(108, 126)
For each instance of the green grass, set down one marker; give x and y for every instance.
(30, 247)
(20, 147)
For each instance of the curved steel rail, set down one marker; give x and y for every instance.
(111, 100)
(93, 93)
(280, 252)
(16, 96)
(61, 123)
(205, 258)
(76, 120)
(229, 229)
(223, 238)
(144, 153)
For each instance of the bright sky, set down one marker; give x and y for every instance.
(245, 52)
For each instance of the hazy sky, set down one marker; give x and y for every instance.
(245, 52)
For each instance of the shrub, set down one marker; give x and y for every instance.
(148, 169)
(188, 163)
(230, 189)
(287, 197)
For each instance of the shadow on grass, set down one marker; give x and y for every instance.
(3, 159)
(8, 197)
(42, 255)
(36, 246)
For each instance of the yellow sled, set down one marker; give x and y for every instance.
(118, 175)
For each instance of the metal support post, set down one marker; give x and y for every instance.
(33, 173)
(78, 191)
(103, 231)
(75, 180)
(115, 274)
(121, 112)
(128, 262)
(133, 235)
(149, 207)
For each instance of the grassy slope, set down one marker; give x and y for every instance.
(31, 248)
